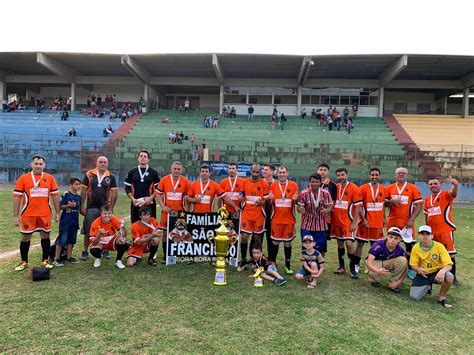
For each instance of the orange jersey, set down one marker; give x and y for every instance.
(232, 189)
(111, 228)
(373, 200)
(410, 197)
(438, 211)
(173, 191)
(208, 194)
(283, 203)
(138, 229)
(347, 200)
(35, 194)
(253, 191)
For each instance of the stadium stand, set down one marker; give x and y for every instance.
(301, 145)
(25, 133)
(444, 144)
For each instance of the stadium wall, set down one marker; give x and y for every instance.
(412, 99)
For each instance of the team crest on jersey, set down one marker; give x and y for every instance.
(258, 188)
(107, 180)
(434, 256)
(25, 226)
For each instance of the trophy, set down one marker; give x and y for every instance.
(221, 242)
(258, 277)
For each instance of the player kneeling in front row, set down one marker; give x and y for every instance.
(387, 257)
(107, 233)
(270, 270)
(146, 237)
(313, 262)
(432, 264)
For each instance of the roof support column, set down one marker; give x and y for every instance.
(3, 90)
(465, 103)
(73, 96)
(146, 96)
(381, 100)
(221, 99)
(299, 100)
(446, 105)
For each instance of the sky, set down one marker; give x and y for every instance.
(242, 26)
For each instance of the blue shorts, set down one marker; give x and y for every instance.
(303, 272)
(319, 237)
(67, 236)
(272, 267)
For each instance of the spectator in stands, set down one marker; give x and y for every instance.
(64, 115)
(180, 107)
(12, 106)
(215, 124)
(346, 115)
(69, 103)
(282, 121)
(72, 132)
(313, 113)
(337, 119)
(196, 153)
(112, 114)
(4, 105)
(186, 105)
(99, 100)
(192, 139)
(329, 121)
(88, 101)
(108, 131)
(204, 144)
(329, 111)
(123, 116)
(224, 111)
(94, 100)
(21, 105)
(349, 126)
(274, 119)
(114, 100)
(210, 122)
(355, 108)
(250, 111)
(303, 113)
(165, 120)
(171, 137)
(233, 112)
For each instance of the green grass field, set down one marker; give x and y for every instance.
(176, 308)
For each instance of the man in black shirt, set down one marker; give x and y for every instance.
(140, 185)
(99, 188)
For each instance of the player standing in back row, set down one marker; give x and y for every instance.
(33, 190)
(405, 203)
(283, 194)
(438, 211)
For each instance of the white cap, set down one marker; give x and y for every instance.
(424, 229)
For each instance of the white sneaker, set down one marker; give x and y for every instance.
(119, 264)
(97, 262)
(242, 268)
(357, 268)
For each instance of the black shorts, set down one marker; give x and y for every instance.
(429, 279)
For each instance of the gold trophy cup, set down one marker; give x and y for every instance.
(221, 242)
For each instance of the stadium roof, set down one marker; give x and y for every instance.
(221, 69)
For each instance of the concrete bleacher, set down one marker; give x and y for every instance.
(446, 140)
(300, 146)
(23, 133)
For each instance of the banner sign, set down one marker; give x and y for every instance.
(189, 234)
(220, 168)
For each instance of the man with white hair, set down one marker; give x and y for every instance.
(405, 204)
(99, 188)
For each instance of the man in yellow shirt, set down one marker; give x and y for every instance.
(432, 263)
